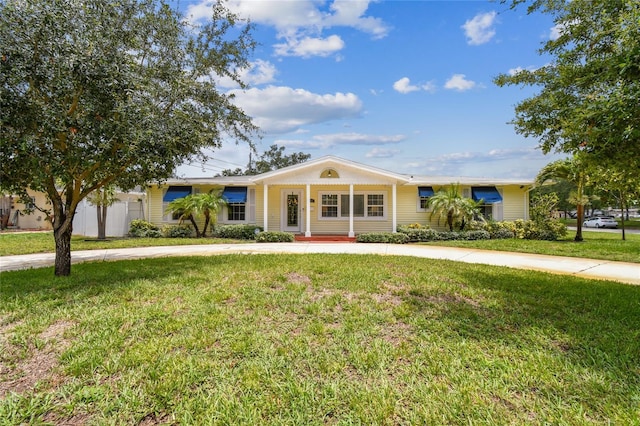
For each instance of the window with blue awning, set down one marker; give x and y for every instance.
(235, 194)
(175, 192)
(425, 191)
(489, 194)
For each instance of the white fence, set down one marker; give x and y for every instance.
(119, 216)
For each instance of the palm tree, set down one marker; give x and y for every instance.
(102, 199)
(469, 210)
(573, 171)
(447, 204)
(193, 205)
(187, 208)
(209, 204)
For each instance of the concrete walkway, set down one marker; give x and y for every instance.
(585, 268)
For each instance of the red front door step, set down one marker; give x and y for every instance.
(326, 239)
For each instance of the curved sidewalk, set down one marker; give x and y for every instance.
(586, 268)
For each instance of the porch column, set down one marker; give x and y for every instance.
(265, 202)
(394, 220)
(351, 233)
(307, 228)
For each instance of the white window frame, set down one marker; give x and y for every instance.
(419, 208)
(228, 209)
(365, 217)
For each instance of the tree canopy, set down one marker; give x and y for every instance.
(94, 93)
(273, 159)
(590, 92)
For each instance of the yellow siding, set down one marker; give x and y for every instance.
(514, 201)
(36, 219)
(407, 208)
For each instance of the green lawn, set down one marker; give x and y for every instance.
(597, 245)
(42, 242)
(316, 339)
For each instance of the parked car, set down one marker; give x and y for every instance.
(600, 222)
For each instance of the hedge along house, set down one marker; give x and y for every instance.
(334, 196)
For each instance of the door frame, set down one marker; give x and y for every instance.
(283, 210)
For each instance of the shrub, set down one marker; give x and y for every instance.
(553, 230)
(238, 232)
(475, 235)
(500, 230)
(422, 234)
(139, 228)
(177, 231)
(383, 237)
(549, 230)
(501, 234)
(274, 237)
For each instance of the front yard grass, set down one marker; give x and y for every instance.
(42, 242)
(315, 339)
(596, 245)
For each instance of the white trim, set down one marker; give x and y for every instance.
(352, 216)
(265, 203)
(351, 232)
(307, 228)
(283, 210)
(394, 217)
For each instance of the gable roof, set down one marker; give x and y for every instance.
(331, 162)
(351, 171)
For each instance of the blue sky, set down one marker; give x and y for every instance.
(401, 85)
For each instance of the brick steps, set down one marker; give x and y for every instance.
(325, 239)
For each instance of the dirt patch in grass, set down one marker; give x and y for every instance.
(41, 363)
(297, 278)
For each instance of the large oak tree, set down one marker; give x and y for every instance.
(96, 93)
(589, 99)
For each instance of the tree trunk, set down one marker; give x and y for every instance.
(624, 237)
(580, 216)
(102, 221)
(195, 225)
(62, 235)
(207, 217)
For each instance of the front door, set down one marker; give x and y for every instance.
(291, 208)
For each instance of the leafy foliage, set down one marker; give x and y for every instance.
(452, 206)
(382, 237)
(139, 228)
(275, 237)
(95, 93)
(273, 159)
(237, 232)
(177, 231)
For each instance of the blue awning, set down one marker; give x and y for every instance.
(175, 192)
(489, 194)
(425, 191)
(235, 194)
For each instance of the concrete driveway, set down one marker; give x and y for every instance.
(586, 268)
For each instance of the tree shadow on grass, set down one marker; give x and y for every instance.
(591, 323)
(91, 279)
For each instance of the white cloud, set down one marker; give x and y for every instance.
(381, 153)
(301, 22)
(350, 13)
(555, 32)
(404, 86)
(310, 46)
(529, 160)
(479, 29)
(329, 140)
(460, 83)
(258, 73)
(277, 109)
